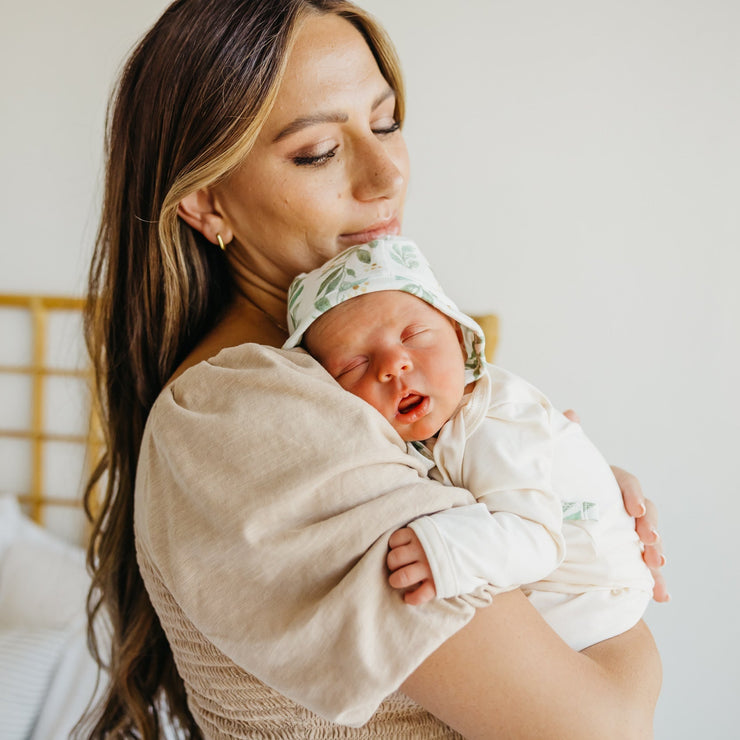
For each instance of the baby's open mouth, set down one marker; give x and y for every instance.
(409, 403)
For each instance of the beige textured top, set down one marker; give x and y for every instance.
(265, 497)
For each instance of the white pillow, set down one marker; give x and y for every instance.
(43, 581)
(28, 658)
(10, 521)
(43, 587)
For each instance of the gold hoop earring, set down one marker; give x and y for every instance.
(221, 242)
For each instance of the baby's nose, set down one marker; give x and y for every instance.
(394, 363)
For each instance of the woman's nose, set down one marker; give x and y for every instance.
(377, 173)
(393, 363)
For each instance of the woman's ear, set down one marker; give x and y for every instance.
(198, 210)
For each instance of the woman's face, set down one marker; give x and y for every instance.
(329, 168)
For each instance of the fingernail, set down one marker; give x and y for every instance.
(662, 560)
(643, 510)
(656, 536)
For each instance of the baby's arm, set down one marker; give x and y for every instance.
(513, 536)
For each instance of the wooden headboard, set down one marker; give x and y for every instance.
(48, 435)
(489, 323)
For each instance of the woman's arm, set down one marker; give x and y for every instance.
(507, 674)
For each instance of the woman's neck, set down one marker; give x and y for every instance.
(258, 281)
(255, 315)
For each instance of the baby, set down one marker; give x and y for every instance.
(549, 517)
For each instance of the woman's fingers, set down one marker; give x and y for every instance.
(647, 530)
(634, 500)
(646, 525)
(660, 590)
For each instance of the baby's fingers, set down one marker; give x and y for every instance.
(409, 575)
(401, 537)
(405, 549)
(418, 596)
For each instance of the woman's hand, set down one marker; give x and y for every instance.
(646, 522)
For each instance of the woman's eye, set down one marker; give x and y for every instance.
(314, 160)
(389, 129)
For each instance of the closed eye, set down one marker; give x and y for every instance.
(386, 130)
(415, 333)
(354, 367)
(314, 160)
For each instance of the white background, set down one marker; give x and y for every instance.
(575, 169)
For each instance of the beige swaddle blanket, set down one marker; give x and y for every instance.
(265, 497)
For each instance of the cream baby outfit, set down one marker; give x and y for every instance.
(525, 463)
(549, 517)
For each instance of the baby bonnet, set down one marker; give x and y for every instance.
(389, 263)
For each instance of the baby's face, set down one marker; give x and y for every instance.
(396, 352)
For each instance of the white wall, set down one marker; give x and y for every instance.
(576, 169)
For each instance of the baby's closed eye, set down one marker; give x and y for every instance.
(417, 335)
(352, 368)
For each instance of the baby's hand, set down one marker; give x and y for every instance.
(409, 567)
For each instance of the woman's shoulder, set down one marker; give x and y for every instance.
(248, 376)
(246, 368)
(255, 397)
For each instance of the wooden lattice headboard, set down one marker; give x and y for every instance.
(48, 436)
(489, 323)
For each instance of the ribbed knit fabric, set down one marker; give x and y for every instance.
(230, 704)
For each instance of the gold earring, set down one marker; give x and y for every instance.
(221, 242)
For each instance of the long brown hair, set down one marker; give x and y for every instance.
(188, 106)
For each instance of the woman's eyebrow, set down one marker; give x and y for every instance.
(306, 121)
(330, 117)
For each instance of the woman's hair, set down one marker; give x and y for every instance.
(188, 107)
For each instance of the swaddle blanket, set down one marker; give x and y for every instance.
(265, 498)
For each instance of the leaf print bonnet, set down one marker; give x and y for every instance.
(389, 263)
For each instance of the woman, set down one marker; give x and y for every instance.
(250, 141)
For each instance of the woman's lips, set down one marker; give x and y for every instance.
(412, 407)
(391, 227)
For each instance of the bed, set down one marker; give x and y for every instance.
(49, 442)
